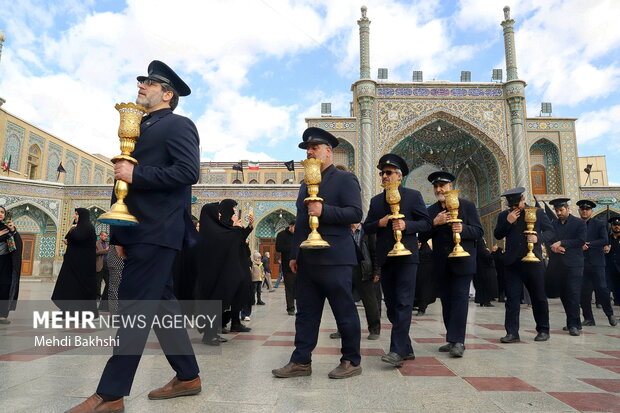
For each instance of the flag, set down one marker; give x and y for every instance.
(537, 204)
(238, 167)
(253, 166)
(290, 165)
(550, 214)
(60, 168)
(6, 165)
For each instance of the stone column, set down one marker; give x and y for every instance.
(515, 93)
(365, 90)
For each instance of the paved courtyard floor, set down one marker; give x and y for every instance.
(565, 374)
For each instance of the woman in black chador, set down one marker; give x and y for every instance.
(77, 280)
(10, 265)
(220, 272)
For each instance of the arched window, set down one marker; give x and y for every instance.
(34, 158)
(270, 182)
(236, 181)
(110, 181)
(539, 180)
(253, 182)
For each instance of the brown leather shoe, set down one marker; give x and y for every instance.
(345, 370)
(293, 370)
(176, 388)
(96, 404)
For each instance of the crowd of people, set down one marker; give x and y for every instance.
(167, 257)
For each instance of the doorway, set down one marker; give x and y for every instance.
(28, 241)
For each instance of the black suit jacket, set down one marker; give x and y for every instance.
(342, 206)
(516, 241)
(416, 220)
(443, 240)
(572, 234)
(160, 196)
(597, 236)
(613, 257)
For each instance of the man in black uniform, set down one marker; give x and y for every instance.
(160, 197)
(510, 225)
(284, 243)
(328, 272)
(454, 274)
(594, 266)
(398, 274)
(566, 256)
(613, 259)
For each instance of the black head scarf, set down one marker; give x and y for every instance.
(227, 210)
(84, 230)
(2, 221)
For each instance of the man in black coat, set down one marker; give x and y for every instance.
(613, 259)
(325, 273)
(398, 273)
(566, 257)
(284, 243)
(594, 265)
(510, 225)
(159, 197)
(454, 274)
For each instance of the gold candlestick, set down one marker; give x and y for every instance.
(392, 197)
(312, 178)
(530, 220)
(452, 203)
(128, 132)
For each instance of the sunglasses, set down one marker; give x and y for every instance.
(149, 82)
(388, 173)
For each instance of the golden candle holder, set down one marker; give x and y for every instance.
(452, 203)
(392, 197)
(312, 178)
(530, 220)
(128, 132)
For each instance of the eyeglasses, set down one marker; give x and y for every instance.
(149, 82)
(388, 173)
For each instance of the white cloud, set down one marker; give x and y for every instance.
(603, 123)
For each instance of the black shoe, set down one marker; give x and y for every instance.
(225, 331)
(335, 335)
(222, 339)
(574, 331)
(211, 341)
(510, 338)
(501, 300)
(566, 328)
(612, 320)
(588, 323)
(374, 336)
(240, 328)
(542, 336)
(260, 303)
(420, 313)
(393, 358)
(457, 350)
(410, 356)
(446, 348)
(290, 312)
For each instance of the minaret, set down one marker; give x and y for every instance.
(365, 90)
(515, 95)
(2, 39)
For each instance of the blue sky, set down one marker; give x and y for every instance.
(258, 67)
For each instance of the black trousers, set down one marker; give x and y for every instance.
(454, 295)
(103, 275)
(571, 294)
(290, 288)
(398, 282)
(532, 276)
(613, 282)
(366, 290)
(315, 283)
(256, 288)
(594, 280)
(147, 276)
